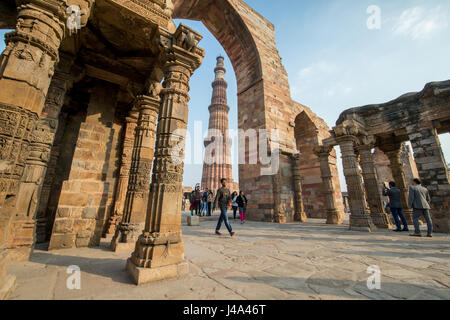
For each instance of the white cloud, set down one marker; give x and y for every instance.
(420, 23)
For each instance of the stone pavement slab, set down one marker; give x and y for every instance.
(264, 261)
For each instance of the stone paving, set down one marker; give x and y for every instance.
(264, 261)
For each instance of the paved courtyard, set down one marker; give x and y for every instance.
(264, 261)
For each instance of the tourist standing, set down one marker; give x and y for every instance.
(210, 201)
(242, 203)
(234, 204)
(419, 199)
(204, 202)
(197, 200)
(222, 201)
(192, 206)
(395, 205)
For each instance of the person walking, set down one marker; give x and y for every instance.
(242, 203)
(222, 201)
(395, 205)
(234, 204)
(419, 199)
(210, 200)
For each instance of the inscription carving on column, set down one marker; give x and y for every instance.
(161, 246)
(324, 154)
(379, 216)
(124, 171)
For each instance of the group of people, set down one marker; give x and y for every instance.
(419, 200)
(204, 203)
(201, 202)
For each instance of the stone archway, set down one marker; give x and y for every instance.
(264, 100)
(309, 131)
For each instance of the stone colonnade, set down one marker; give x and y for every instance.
(416, 117)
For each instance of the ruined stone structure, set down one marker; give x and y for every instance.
(415, 117)
(92, 94)
(217, 164)
(384, 173)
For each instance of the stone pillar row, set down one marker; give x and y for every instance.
(159, 251)
(135, 205)
(371, 185)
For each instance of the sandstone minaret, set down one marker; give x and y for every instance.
(218, 121)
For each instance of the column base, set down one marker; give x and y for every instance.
(122, 247)
(333, 217)
(381, 220)
(361, 222)
(408, 213)
(125, 237)
(146, 275)
(300, 217)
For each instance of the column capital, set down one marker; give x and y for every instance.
(323, 150)
(143, 102)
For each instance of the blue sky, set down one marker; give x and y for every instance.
(334, 61)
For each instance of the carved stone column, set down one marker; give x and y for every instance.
(393, 152)
(360, 219)
(379, 216)
(136, 200)
(324, 154)
(21, 237)
(159, 252)
(300, 214)
(26, 68)
(124, 175)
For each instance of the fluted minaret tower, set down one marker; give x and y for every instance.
(218, 120)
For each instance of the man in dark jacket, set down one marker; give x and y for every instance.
(222, 201)
(395, 205)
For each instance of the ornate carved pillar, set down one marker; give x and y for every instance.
(393, 152)
(26, 69)
(125, 167)
(300, 214)
(37, 162)
(159, 251)
(136, 200)
(324, 154)
(360, 219)
(379, 216)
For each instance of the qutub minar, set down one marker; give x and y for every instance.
(220, 166)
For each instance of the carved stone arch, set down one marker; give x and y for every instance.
(309, 131)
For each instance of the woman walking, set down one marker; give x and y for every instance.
(234, 204)
(242, 201)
